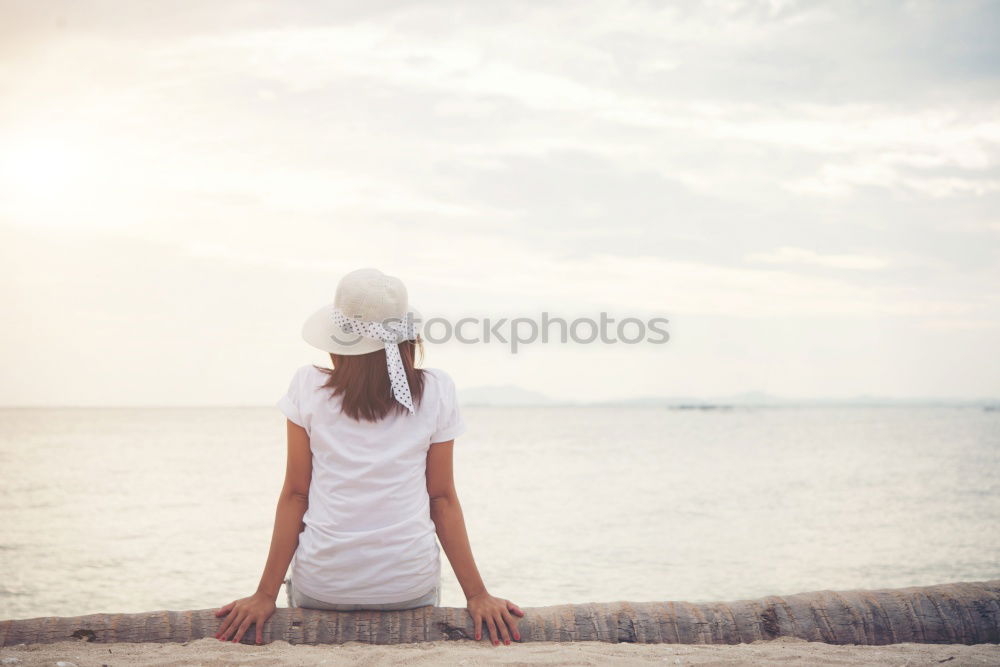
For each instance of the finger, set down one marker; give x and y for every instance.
(512, 622)
(477, 621)
(260, 632)
(232, 622)
(225, 609)
(226, 622)
(235, 627)
(514, 608)
(504, 634)
(242, 629)
(491, 626)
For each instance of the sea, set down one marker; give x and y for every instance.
(132, 510)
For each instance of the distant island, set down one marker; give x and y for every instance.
(513, 396)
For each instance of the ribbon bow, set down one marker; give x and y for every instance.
(391, 333)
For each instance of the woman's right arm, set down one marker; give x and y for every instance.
(292, 504)
(499, 614)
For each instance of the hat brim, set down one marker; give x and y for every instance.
(320, 331)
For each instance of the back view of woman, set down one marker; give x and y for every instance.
(368, 486)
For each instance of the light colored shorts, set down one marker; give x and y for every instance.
(297, 598)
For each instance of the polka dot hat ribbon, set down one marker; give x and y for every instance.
(391, 333)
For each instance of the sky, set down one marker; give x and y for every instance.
(808, 191)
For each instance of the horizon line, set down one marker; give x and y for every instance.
(638, 401)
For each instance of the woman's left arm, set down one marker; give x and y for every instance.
(292, 505)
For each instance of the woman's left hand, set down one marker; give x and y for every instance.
(255, 609)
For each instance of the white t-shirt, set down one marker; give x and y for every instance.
(368, 535)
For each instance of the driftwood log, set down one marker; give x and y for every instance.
(961, 613)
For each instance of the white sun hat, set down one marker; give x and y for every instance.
(366, 296)
(370, 312)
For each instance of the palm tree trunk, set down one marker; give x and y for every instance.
(960, 613)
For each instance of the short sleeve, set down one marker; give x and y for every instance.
(290, 403)
(450, 424)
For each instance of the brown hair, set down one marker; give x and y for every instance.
(362, 381)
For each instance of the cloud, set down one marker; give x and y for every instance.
(787, 255)
(731, 160)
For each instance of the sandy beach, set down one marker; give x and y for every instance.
(210, 651)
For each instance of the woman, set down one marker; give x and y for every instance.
(368, 487)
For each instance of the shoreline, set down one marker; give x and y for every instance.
(941, 614)
(210, 651)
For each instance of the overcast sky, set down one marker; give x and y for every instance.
(809, 191)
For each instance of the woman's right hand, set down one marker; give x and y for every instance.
(240, 614)
(496, 612)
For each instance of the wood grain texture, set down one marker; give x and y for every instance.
(959, 613)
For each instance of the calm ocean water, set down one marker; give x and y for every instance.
(128, 510)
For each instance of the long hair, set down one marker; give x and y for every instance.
(362, 381)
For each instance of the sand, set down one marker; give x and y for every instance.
(211, 651)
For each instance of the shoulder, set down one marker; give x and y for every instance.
(448, 423)
(312, 370)
(309, 377)
(440, 378)
(439, 385)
